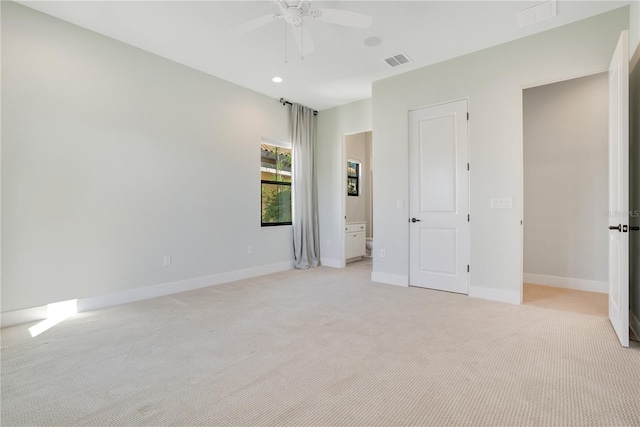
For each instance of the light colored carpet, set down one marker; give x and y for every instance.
(566, 299)
(321, 347)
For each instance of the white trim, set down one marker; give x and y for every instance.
(567, 282)
(330, 262)
(441, 103)
(390, 279)
(634, 324)
(498, 295)
(33, 314)
(17, 317)
(563, 78)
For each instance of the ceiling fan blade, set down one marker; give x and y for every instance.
(344, 17)
(254, 24)
(302, 37)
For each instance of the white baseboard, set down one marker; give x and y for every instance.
(634, 324)
(17, 317)
(330, 262)
(390, 279)
(498, 295)
(33, 314)
(567, 282)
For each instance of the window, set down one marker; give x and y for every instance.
(353, 178)
(275, 182)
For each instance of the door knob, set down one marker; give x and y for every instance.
(415, 220)
(619, 227)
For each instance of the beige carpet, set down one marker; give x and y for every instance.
(321, 347)
(566, 299)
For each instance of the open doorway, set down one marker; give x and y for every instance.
(565, 183)
(358, 200)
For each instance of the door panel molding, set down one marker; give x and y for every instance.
(439, 197)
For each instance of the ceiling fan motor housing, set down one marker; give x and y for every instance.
(293, 16)
(294, 12)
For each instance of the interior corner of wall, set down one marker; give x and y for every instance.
(498, 295)
(390, 279)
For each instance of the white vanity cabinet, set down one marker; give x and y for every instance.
(355, 239)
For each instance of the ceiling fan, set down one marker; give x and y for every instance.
(296, 12)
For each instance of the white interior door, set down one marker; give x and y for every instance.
(619, 190)
(439, 198)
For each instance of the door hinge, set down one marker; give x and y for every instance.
(468, 218)
(467, 116)
(468, 166)
(467, 268)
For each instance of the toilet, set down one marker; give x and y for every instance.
(369, 246)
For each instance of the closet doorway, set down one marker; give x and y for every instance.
(565, 221)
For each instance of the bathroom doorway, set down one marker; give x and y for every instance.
(358, 197)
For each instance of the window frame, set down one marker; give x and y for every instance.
(355, 177)
(280, 144)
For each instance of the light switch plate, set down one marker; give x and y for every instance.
(502, 203)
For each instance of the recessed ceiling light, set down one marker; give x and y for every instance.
(373, 41)
(277, 79)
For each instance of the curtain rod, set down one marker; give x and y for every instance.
(285, 102)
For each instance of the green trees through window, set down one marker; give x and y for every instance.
(275, 182)
(353, 178)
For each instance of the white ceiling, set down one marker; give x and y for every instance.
(342, 68)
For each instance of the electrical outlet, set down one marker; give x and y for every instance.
(328, 243)
(383, 253)
(250, 250)
(167, 260)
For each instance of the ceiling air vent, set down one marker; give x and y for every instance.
(537, 13)
(398, 59)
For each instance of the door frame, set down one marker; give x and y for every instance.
(343, 192)
(468, 185)
(523, 87)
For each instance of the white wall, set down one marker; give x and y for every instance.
(565, 181)
(113, 157)
(492, 80)
(333, 125)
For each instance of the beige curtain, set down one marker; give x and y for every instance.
(306, 247)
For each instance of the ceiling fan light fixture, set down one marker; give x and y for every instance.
(277, 79)
(296, 13)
